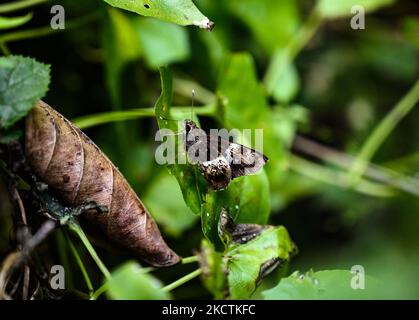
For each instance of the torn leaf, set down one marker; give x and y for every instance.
(253, 251)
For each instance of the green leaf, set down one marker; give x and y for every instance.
(282, 80)
(130, 282)
(245, 107)
(245, 104)
(272, 22)
(247, 201)
(324, 285)
(190, 181)
(287, 120)
(13, 22)
(255, 205)
(342, 8)
(182, 12)
(163, 43)
(169, 211)
(252, 252)
(245, 262)
(243, 97)
(214, 203)
(23, 82)
(286, 85)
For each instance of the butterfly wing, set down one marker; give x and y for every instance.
(243, 160)
(219, 159)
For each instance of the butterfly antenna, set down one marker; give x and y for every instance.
(193, 103)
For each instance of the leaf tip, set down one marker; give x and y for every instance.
(205, 24)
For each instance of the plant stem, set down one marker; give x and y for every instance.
(44, 31)
(191, 259)
(182, 280)
(148, 269)
(336, 178)
(99, 291)
(4, 49)
(345, 161)
(381, 132)
(305, 34)
(61, 243)
(283, 57)
(17, 5)
(81, 265)
(132, 114)
(112, 116)
(74, 226)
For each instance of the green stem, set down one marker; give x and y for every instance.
(305, 34)
(99, 291)
(4, 49)
(81, 265)
(17, 5)
(132, 114)
(44, 31)
(182, 280)
(112, 116)
(191, 259)
(345, 161)
(74, 226)
(148, 269)
(381, 132)
(283, 57)
(336, 178)
(64, 255)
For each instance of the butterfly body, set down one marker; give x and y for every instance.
(218, 159)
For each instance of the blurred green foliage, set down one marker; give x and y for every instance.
(289, 67)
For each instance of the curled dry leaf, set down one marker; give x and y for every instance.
(76, 170)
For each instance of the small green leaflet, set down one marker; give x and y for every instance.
(13, 22)
(23, 82)
(131, 282)
(182, 12)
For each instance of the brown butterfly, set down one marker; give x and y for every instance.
(218, 159)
